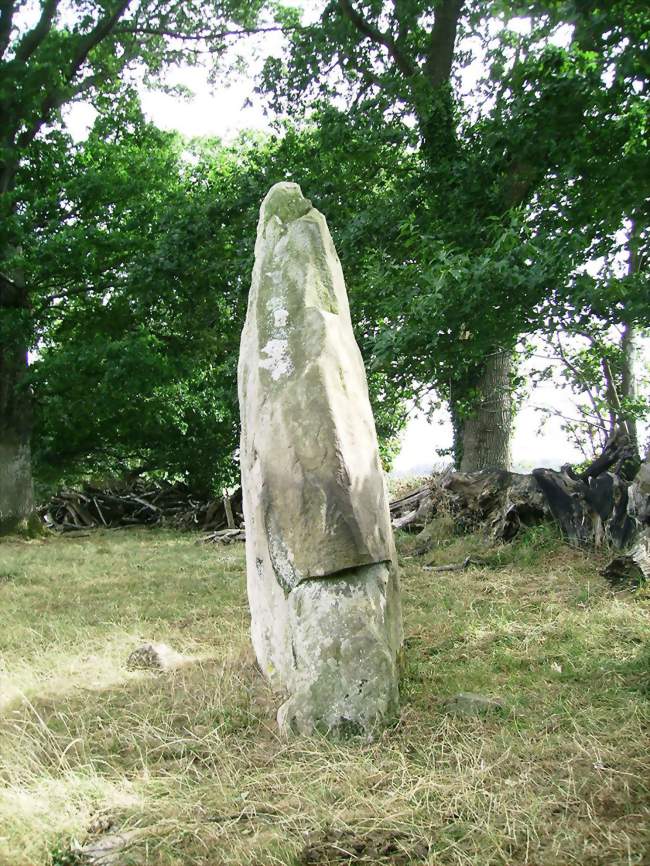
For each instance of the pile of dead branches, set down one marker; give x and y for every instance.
(141, 503)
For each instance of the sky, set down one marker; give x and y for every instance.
(225, 111)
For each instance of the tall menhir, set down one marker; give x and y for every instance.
(321, 569)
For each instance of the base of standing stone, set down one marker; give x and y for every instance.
(344, 680)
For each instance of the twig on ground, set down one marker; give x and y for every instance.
(456, 566)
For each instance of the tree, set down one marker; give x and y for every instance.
(77, 50)
(483, 161)
(135, 314)
(141, 260)
(597, 204)
(591, 324)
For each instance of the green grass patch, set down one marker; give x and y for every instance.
(189, 768)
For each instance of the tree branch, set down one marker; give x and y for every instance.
(440, 53)
(7, 9)
(613, 402)
(369, 78)
(54, 99)
(31, 40)
(368, 82)
(580, 380)
(379, 37)
(558, 414)
(206, 36)
(521, 177)
(10, 292)
(102, 29)
(70, 293)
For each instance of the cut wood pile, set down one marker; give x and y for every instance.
(142, 503)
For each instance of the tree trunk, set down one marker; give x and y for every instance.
(628, 340)
(16, 496)
(628, 378)
(486, 433)
(16, 486)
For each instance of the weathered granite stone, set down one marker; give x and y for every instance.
(322, 580)
(110, 850)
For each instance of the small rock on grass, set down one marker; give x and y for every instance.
(109, 850)
(156, 657)
(472, 704)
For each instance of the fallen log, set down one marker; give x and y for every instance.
(498, 500)
(632, 568)
(598, 507)
(592, 512)
(224, 536)
(619, 455)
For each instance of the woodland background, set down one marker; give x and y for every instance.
(474, 225)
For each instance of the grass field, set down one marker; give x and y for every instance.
(189, 766)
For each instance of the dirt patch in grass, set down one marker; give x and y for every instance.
(377, 847)
(189, 765)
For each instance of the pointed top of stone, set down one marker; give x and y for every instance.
(285, 201)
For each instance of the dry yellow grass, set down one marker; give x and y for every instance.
(190, 765)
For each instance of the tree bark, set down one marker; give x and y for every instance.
(16, 489)
(628, 340)
(16, 485)
(628, 377)
(486, 433)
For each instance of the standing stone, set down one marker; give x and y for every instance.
(321, 569)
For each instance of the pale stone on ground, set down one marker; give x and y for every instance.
(322, 581)
(110, 850)
(156, 656)
(472, 704)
